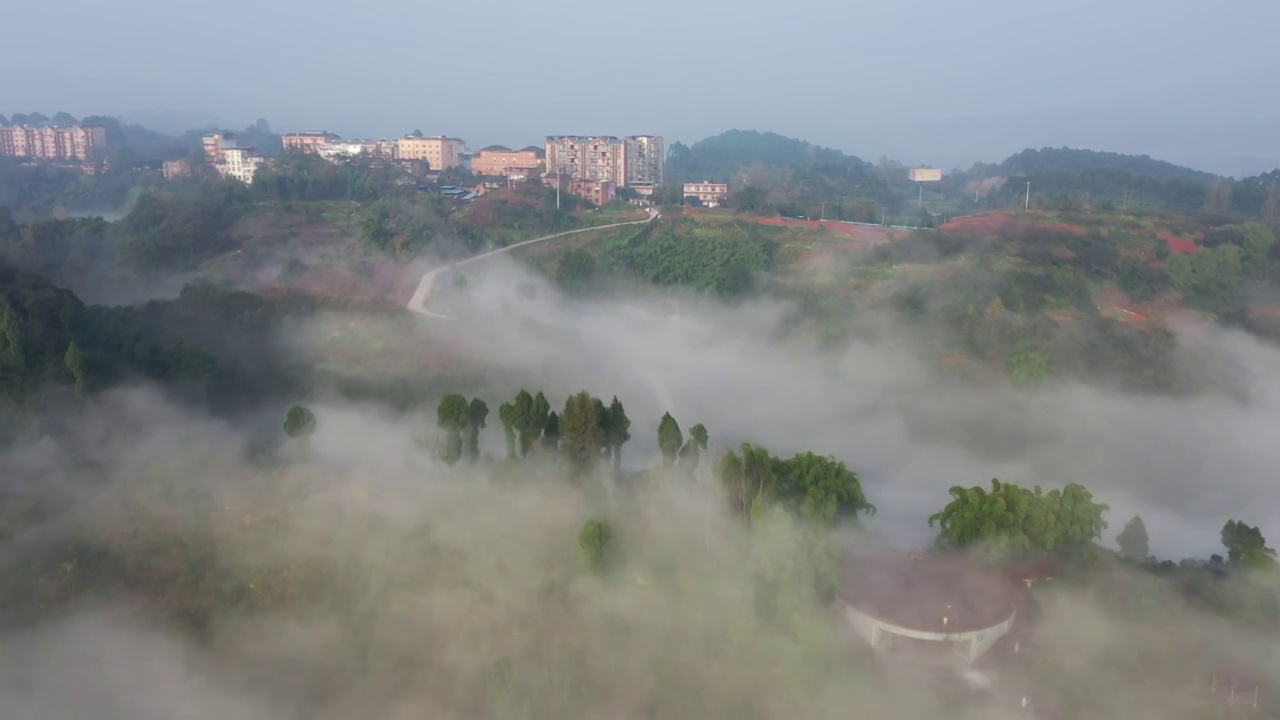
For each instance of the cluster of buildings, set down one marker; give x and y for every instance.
(225, 155)
(74, 144)
(593, 167)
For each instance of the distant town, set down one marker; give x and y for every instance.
(597, 168)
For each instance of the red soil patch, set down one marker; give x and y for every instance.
(1179, 244)
(993, 224)
(861, 232)
(871, 233)
(1265, 311)
(1119, 303)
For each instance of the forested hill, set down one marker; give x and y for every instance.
(1069, 160)
(719, 156)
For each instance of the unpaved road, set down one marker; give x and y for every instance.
(418, 303)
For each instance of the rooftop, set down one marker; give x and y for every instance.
(929, 592)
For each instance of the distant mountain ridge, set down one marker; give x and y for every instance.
(719, 156)
(1070, 160)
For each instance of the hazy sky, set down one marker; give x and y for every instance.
(930, 81)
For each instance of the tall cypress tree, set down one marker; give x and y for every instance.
(451, 416)
(670, 439)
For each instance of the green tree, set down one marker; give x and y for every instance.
(74, 362)
(1027, 368)
(580, 433)
(477, 413)
(576, 270)
(816, 488)
(1256, 248)
(1012, 521)
(1181, 275)
(299, 423)
(821, 489)
(551, 433)
(595, 541)
(691, 452)
(1133, 540)
(12, 348)
(530, 418)
(509, 416)
(1246, 547)
(670, 439)
(619, 427)
(451, 416)
(540, 414)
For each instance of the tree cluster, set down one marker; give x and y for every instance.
(1008, 520)
(583, 432)
(816, 488)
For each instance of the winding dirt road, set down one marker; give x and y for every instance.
(418, 303)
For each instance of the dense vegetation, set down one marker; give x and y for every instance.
(549, 543)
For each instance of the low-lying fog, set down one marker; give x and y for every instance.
(1186, 464)
(364, 579)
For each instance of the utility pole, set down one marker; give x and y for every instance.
(557, 191)
(1026, 206)
(920, 199)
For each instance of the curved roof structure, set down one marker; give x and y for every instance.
(929, 593)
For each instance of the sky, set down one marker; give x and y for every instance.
(923, 81)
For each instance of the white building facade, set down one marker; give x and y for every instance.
(967, 646)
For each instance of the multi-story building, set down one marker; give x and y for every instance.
(215, 146)
(440, 152)
(73, 143)
(337, 150)
(582, 157)
(646, 157)
(240, 163)
(708, 193)
(307, 142)
(635, 162)
(597, 192)
(499, 161)
(176, 169)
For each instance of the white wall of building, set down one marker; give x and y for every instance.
(968, 645)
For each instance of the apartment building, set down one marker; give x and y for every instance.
(646, 159)
(240, 163)
(215, 146)
(708, 193)
(440, 152)
(636, 161)
(307, 142)
(499, 161)
(64, 144)
(337, 150)
(587, 157)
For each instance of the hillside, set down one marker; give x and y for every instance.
(1019, 296)
(718, 157)
(1054, 160)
